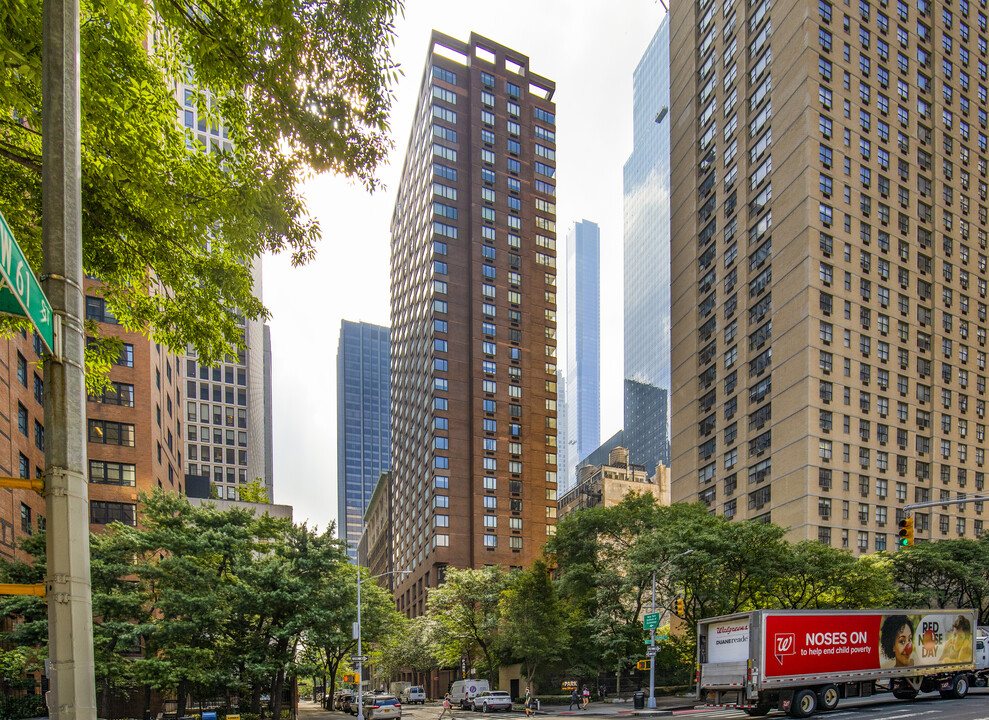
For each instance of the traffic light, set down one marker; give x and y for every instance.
(680, 610)
(906, 532)
(643, 664)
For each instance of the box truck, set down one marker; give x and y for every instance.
(802, 661)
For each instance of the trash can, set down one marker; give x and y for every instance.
(639, 700)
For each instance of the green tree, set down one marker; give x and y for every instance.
(254, 492)
(533, 631)
(603, 581)
(944, 574)
(296, 85)
(409, 645)
(465, 609)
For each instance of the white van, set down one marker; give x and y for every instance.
(462, 692)
(413, 694)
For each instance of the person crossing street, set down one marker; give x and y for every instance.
(447, 708)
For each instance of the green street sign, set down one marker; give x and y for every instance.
(650, 621)
(21, 294)
(648, 641)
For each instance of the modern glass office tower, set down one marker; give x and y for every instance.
(583, 393)
(473, 293)
(363, 422)
(647, 258)
(829, 264)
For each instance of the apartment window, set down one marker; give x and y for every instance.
(104, 513)
(112, 473)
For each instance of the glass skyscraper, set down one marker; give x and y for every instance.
(647, 258)
(583, 392)
(363, 418)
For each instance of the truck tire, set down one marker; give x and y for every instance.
(828, 696)
(959, 688)
(804, 703)
(905, 694)
(758, 710)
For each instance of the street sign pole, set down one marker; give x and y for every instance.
(70, 608)
(652, 651)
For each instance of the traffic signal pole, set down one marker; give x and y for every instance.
(70, 611)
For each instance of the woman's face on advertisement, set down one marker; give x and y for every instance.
(903, 647)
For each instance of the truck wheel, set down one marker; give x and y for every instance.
(758, 710)
(905, 694)
(804, 703)
(958, 690)
(828, 697)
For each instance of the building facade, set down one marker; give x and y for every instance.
(228, 420)
(829, 265)
(363, 417)
(473, 317)
(135, 424)
(583, 393)
(647, 257)
(375, 548)
(607, 484)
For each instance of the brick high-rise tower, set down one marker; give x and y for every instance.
(829, 262)
(473, 317)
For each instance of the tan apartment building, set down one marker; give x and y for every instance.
(473, 319)
(829, 263)
(374, 550)
(607, 485)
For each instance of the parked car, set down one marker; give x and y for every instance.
(382, 706)
(462, 692)
(492, 700)
(352, 704)
(338, 698)
(341, 700)
(413, 694)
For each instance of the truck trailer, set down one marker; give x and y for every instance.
(803, 661)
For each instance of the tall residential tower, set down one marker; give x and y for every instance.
(473, 310)
(583, 392)
(647, 259)
(829, 264)
(363, 432)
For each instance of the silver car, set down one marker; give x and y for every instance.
(382, 706)
(492, 700)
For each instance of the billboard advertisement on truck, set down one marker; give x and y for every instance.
(800, 644)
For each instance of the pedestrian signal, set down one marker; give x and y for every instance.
(906, 532)
(644, 664)
(680, 609)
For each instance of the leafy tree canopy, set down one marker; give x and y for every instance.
(288, 87)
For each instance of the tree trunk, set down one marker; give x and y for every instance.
(618, 683)
(256, 698)
(182, 692)
(276, 694)
(106, 697)
(147, 702)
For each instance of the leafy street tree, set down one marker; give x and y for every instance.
(290, 88)
(944, 574)
(328, 640)
(602, 590)
(409, 646)
(465, 609)
(533, 631)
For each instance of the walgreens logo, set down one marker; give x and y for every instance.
(784, 643)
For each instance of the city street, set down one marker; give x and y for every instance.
(882, 707)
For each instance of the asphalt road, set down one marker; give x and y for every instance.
(881, 707)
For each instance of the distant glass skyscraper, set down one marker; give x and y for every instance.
(583, 393)
(363, 418)
(647, 258)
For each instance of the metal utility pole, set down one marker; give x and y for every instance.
(70, 608)
(651, 702)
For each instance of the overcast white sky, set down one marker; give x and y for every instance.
(590, 49)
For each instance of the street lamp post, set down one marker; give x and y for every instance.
(652, 633)
(360, 655)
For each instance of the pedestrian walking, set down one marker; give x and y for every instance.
(602, 691)
(530, 703)
(587, 697)
(447, 708)
(574, 699)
